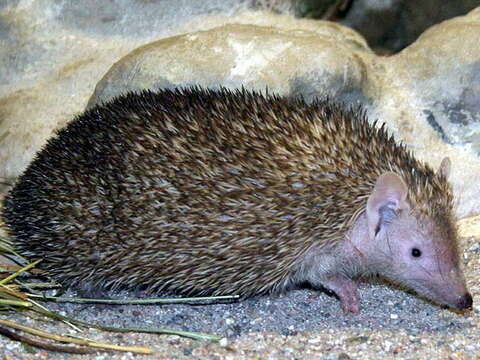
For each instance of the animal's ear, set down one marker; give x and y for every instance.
(445, 166)
(386, 201)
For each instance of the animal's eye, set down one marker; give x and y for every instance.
(416, 252)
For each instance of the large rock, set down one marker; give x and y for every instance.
(448, 79)
(425, 94)
(306, 59)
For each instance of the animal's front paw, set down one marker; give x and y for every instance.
(346, 290)
(350, 305)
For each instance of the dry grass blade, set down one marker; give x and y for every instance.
(43, 345)
(149, 301)
(72, 340)
(15, 293)
(15, 274)
(191, 335)
(5, 245)
(9, 296)
(6, 302)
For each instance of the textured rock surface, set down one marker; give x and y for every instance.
(301, 59)
(447, 81)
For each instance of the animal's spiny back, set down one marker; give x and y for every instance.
(203, 191)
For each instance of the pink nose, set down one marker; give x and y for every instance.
(464, 302)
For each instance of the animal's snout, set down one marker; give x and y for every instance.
(465, 302)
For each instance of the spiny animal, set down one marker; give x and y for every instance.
(199, 191)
